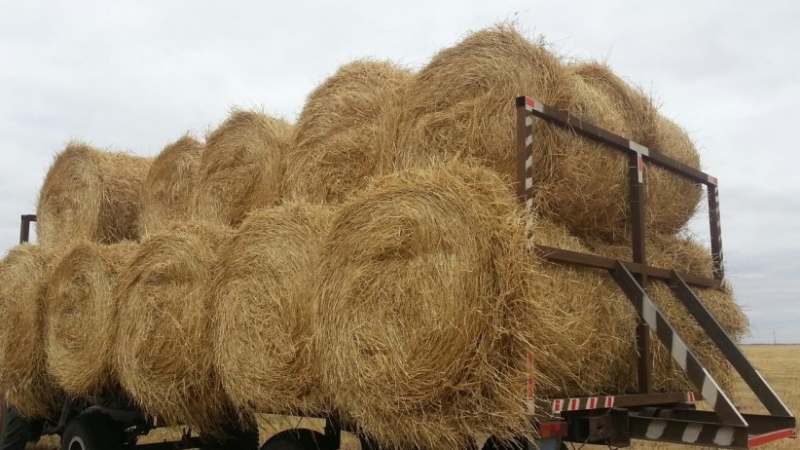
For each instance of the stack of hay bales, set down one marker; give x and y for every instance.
(393, 274)
(408, 305)
(242, 167)
(346, 132)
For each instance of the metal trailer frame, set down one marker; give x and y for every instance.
(610, 420)
(651, 419)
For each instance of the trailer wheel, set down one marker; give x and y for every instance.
(240, 441)
(92, 431)
(297, 439)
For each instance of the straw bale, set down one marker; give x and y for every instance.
(461, 103)
(671, 200)
(264, 306)
(90, 194)
(164, 351)
(168, 191)
(664, 213)
(637, 109)
(24, 381)
(346, 131)
(82, 316)
(241, 167)
(421, 292)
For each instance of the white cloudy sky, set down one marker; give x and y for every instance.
(137, 74)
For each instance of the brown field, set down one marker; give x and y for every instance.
(780, 365)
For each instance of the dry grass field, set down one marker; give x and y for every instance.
(780, 364)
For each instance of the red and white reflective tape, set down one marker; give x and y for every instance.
(534, 105)
(640, 167)
(531, 385)
(584, 403)
(690, 397)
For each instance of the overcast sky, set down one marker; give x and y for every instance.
(135, 75)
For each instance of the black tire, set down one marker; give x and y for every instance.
(92, 431)
(297, 439)
(496, 444)
(241, 441)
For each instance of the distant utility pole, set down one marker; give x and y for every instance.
(774, 338)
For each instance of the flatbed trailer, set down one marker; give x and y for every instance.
(611, 420)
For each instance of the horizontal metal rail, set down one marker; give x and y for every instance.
(558, 255)
(566, 120)
(25, 227)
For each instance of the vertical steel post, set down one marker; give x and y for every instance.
(25, 227)
(524, 153)
(525, 196)
(715, 228)
(636, 205)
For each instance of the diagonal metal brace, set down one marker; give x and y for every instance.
(686, 359)
(729, 349)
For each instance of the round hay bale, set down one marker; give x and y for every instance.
(638, 110)
(264, 306)
(164, 352)
(671, 201)
(420, 287)
(82, 316)
(90, 194)
(346, 132)
(24, 381)
(168, 191)
(597, 358)
(241, 167)
(461, 103)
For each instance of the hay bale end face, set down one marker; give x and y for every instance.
(263, 308)
(90, 194)
(82, 316)
(168, 191)
(241, 167)
(164, 351)
(24, 381)
(421, 274)
(346, 132)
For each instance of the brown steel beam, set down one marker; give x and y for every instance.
(586, 129)
(25, 227)
(636, 208)
(716, 230)
(725, 344)
(561, 256)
